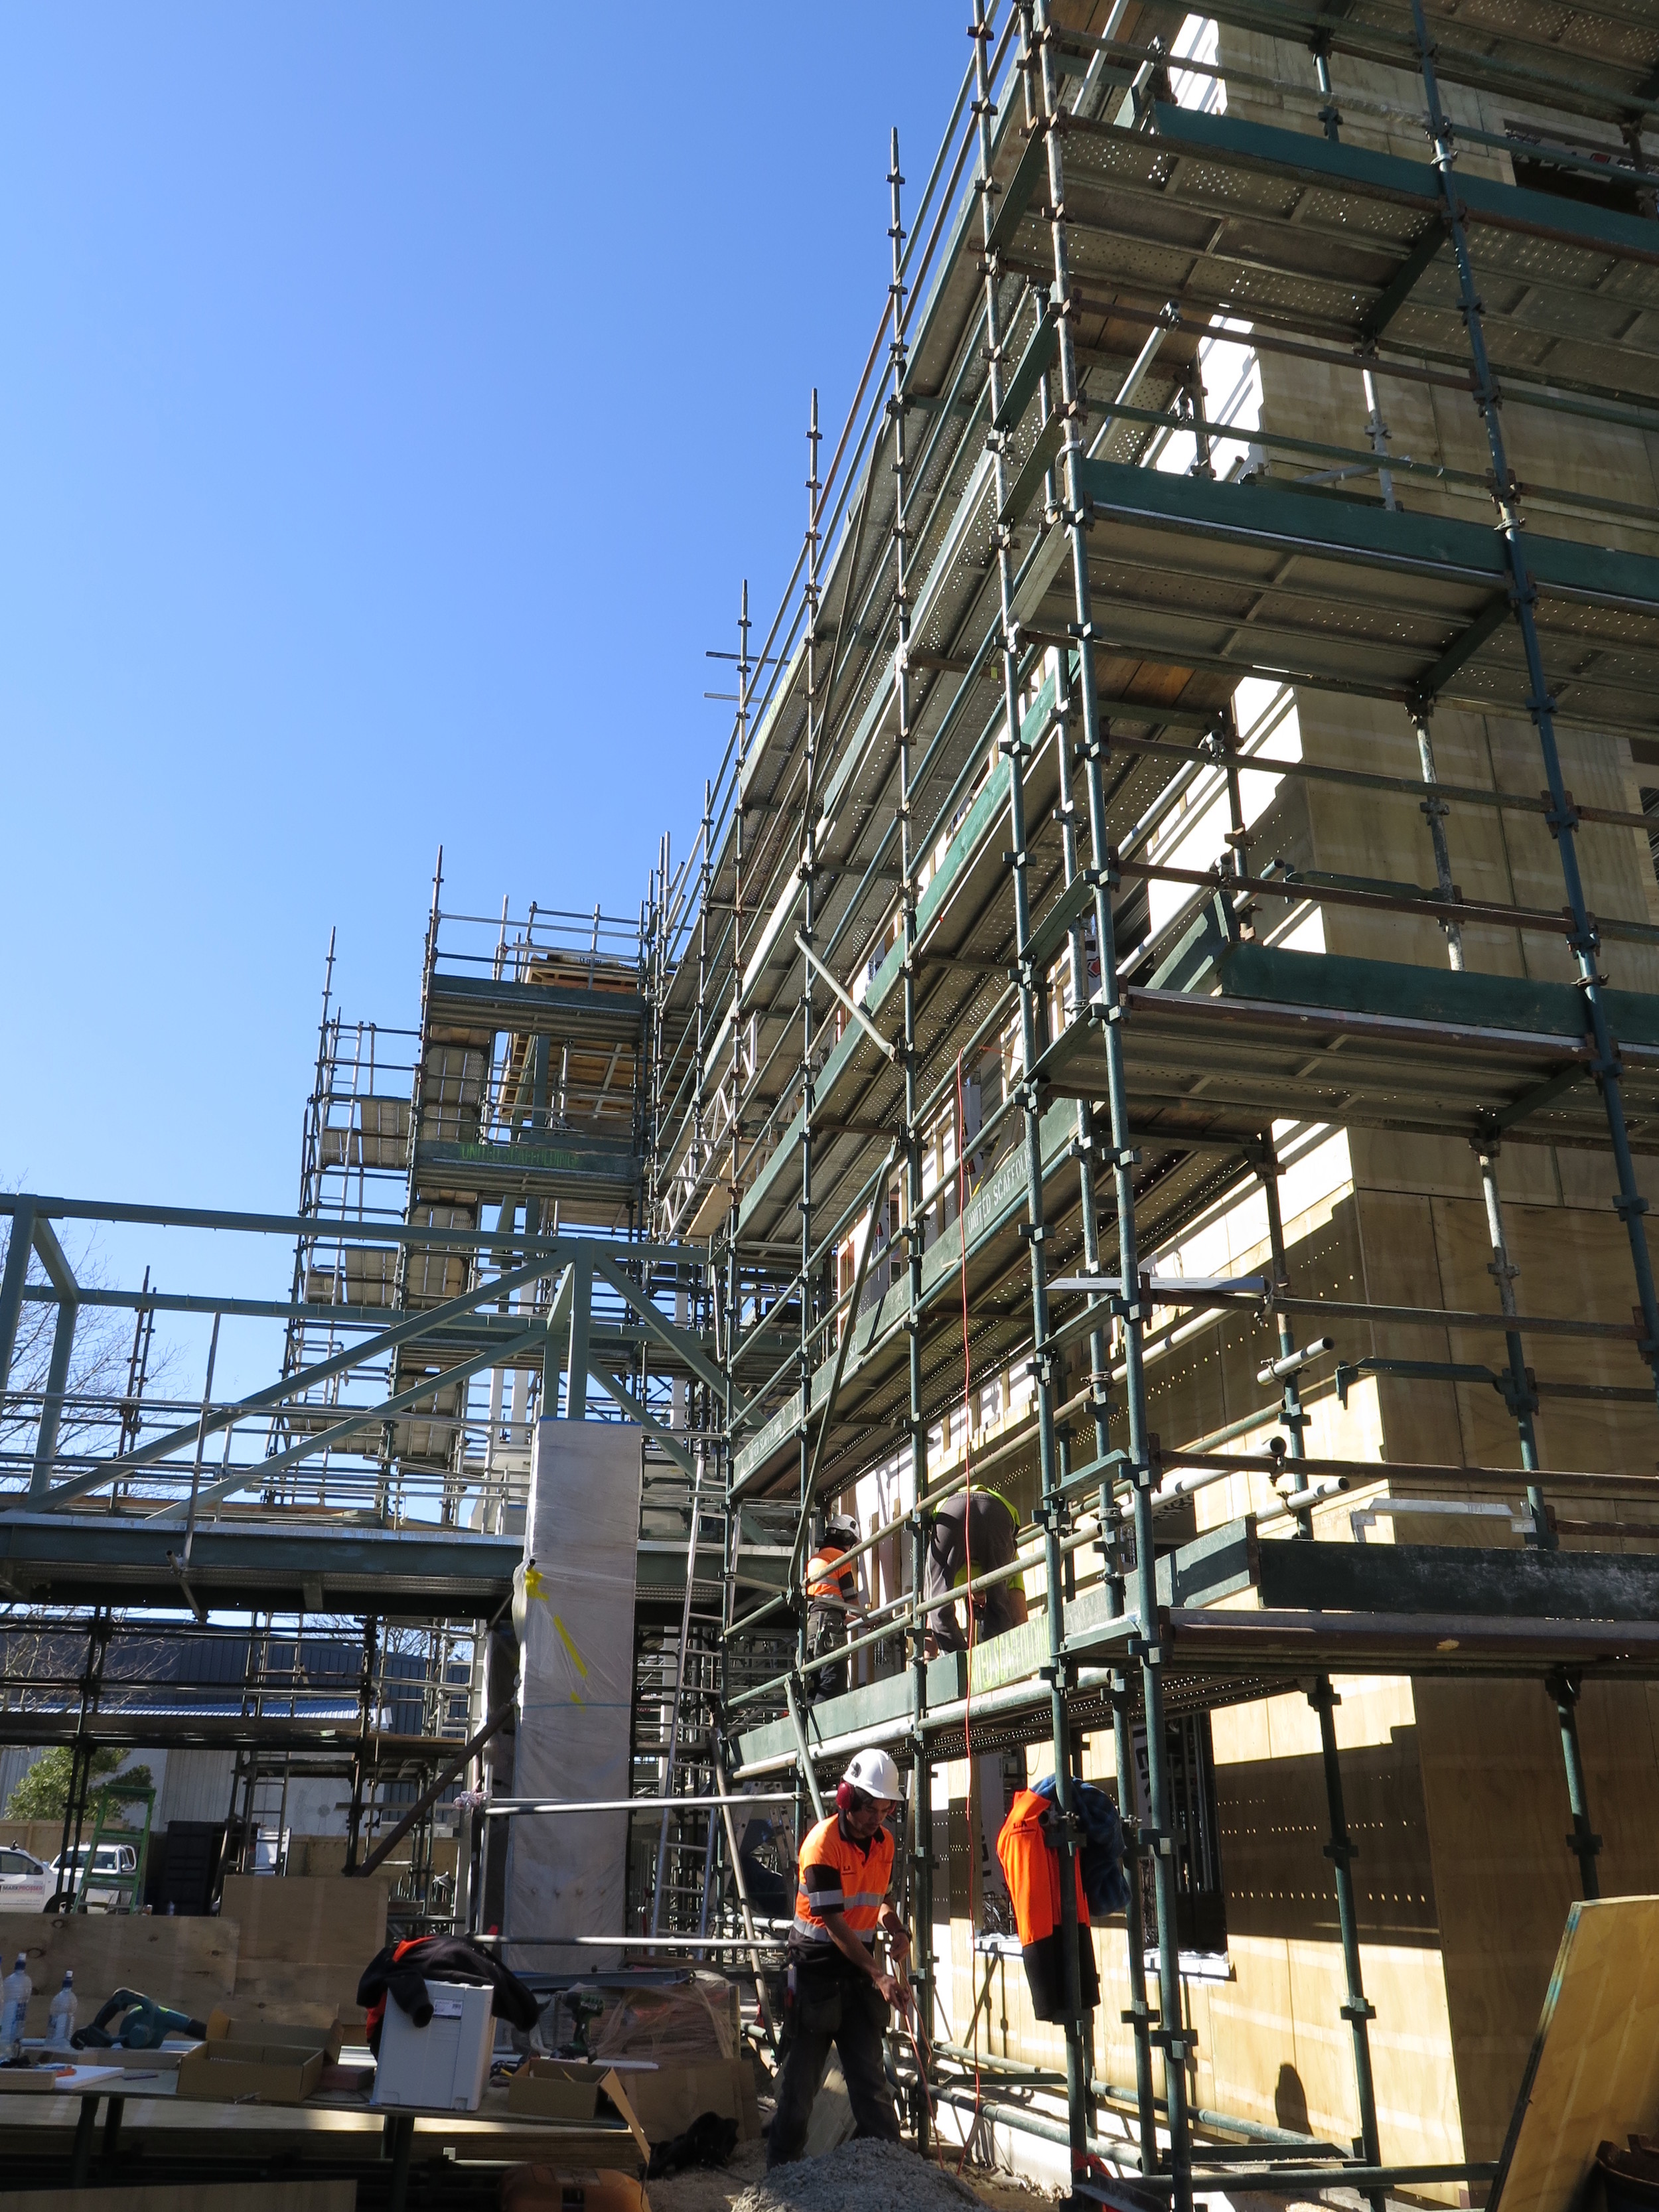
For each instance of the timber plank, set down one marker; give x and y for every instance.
(1593, 2072)
(189, 1964)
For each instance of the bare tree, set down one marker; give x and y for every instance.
(99, 1369)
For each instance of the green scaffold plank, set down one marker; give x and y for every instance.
(1513, 1003)
(1348, 529)
(1389, 176)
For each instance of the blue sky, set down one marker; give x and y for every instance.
(391, 400)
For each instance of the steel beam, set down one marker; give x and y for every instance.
(678, 1340)
(637, 1413)
(74, 1558)
(52, 1408)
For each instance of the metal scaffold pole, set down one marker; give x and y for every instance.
(1358, 2011)
(1109, 1009)
(808, 865)
(1083, 1148)
(923, 1966)
(1016, 751)
(1583, 1843)
(1340, 1851)
(1563, 817)
(1519, 1395)
(734, 1188)
(1519, 1392)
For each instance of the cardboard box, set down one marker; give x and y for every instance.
(167, 2060)
(222, 2026)
(61, 2078)
(557, 2088)
(275, 2073)
(569, 2089)
(30, 2081)
(549, 2189)
(667, 2101)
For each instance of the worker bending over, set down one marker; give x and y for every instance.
(839, 1992)
(975, 1529)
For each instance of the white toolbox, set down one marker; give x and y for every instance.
(445, 2064)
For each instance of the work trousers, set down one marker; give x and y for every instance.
(826, 1631)
(848, 2011)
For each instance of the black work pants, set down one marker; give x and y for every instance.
(826, 1631)
(848, 2011)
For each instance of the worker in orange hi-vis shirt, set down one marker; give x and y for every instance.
(832, 1594)
(839, 1988)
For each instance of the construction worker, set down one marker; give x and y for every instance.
(977, 1530)
(839, 1992)
(832, 1591)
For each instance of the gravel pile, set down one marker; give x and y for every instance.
(861, 2176)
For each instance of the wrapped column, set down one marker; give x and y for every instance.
(574, 1609)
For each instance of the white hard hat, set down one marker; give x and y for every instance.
(874, 1773)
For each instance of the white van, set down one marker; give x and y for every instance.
(26, 1886)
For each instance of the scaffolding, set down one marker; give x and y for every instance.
(467, 1259)
(898, 1144)
(969, 1034)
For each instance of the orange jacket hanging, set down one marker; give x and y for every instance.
(1030, 1864)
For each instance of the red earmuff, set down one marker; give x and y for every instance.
(847, 1795)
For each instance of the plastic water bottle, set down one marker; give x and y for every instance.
(60, 2021)
(15, 1994)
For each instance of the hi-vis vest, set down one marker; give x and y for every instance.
(824, 1579)
(857, 1888)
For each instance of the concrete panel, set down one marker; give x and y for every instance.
(566, 1874)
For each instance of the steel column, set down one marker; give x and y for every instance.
(581, 1328)
(19, 1245)
(52, 1408)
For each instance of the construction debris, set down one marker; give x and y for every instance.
(868, 2175)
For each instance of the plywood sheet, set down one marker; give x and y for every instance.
(189, 1964)
(1496, 1803)
(305, 1946)
(205, 2197)
(317, 1919)
(1593, 2073)
(305, 1941)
